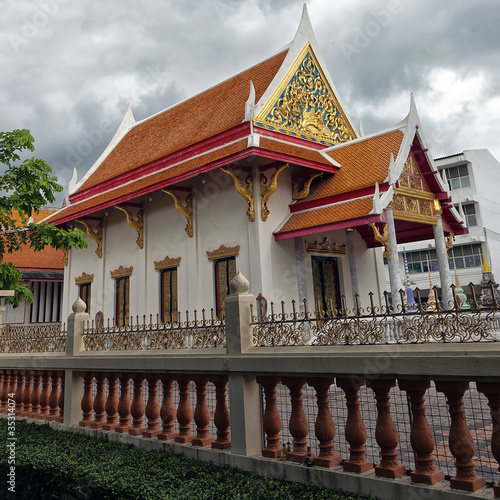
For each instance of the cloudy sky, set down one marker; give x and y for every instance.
(69, 67)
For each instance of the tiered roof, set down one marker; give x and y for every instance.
(285, 108)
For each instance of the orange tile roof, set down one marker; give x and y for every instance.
(27, 258)
(129, 190)
(294, 150)
(201, 117)
(362, 164)
(328, 215)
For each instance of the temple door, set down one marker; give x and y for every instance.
(326, 285)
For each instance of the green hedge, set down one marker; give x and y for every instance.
(54, 464)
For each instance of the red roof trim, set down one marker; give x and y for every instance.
(264, 153)
(360, 221)
(271, 134)
(182, 155)
(329, 200)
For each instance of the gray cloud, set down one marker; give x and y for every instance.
(70, 68)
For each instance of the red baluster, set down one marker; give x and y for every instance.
(45, 395)
(35, 395)
(492, 391)
(271, 421)
(152, 408)
(167, 411)
(60, 403)
(87, 400)
(54, 397)
(324, 427)
(298, 426)
(11, 389)
(124, 404)
(460, 440)
(137, 409)
(4, 390)
(184, 412)
(201, 413)
(421, 437)
(221, 416)
(26, 411)
(99, 401)
(111, 403)
(19, 391)
(355, 431)
(386, 433)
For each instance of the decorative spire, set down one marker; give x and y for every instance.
(486, 266)
(431, 299)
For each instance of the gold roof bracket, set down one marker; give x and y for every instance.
(382, 238)
(304, 192)
(267, 190)
(186, 211)
(94, 235)
(134, 224)
(246, 192)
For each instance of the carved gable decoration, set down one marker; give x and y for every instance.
(167, 262)
(326, 247)
(84, 278)
(222, 252)
(413, 200)
(121, 272)
(304, 105)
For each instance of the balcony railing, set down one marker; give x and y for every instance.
(459, 321)
(196, 333)
(43, 337)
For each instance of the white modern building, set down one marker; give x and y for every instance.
(473, 180)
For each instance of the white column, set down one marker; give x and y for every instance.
(444, 268)
(352, 263)
(393, 264)
(301, 271)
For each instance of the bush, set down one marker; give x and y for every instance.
(55, 464)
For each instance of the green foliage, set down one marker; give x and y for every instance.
(26, 186)
(53, 464)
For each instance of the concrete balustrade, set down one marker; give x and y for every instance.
(161, 399)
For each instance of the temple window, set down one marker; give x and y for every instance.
(326, 285)
(122, 294)
(168, 295)
(225, 270)
(84, 283)
(84, 294)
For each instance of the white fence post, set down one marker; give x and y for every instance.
(73, 385)
(244, 391)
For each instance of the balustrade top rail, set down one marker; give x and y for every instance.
(460, 321)
(44, 337)
(193, 333)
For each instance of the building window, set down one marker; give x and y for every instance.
(419, 262)
(122, 300)
(458, 177)
(470, 214)
(326, 285)
(465, 256)
(85, 295)
(225, 270)
(168, 294)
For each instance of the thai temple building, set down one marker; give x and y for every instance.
(264, 173)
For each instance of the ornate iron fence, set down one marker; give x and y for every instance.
(470, 320)
(45, 337)
(189, 334)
